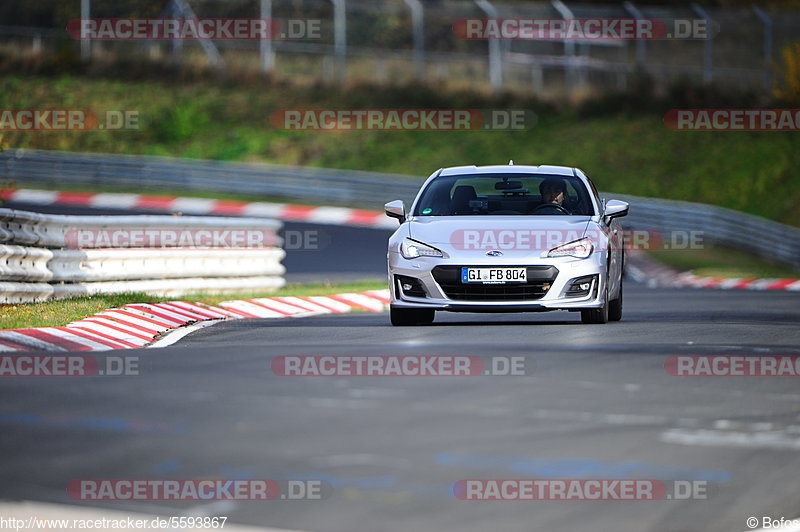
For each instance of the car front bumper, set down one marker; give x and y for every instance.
(555, 298)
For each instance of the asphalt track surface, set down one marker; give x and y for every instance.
(597, 403)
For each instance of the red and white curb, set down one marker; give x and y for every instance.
(730, 283)
(646, 270)
(141, 324)
(204, 206)
(643, 269)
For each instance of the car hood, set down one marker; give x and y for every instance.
(498, 232)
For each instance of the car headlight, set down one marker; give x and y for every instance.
(580, 249)
(411, 249)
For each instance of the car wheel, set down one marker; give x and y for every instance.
(615, 306)
(402, 317)
(596, 315)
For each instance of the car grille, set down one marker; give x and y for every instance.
(540, 279)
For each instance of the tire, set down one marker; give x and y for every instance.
(615, 306)
(404, 317)
(596, 315)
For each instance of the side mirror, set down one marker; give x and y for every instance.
(396, 209)
(615, 209)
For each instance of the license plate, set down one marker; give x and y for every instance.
(493, 275)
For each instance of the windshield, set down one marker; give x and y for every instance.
(505, 194)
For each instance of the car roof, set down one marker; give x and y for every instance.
(544, 169)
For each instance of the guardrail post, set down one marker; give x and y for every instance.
(86, 44)
(418, 36)
(495, 56)
(340, 38)
(769, 26)
(265, 45)
(708, 66)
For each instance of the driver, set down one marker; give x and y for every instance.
(554, 195)
(553, 191)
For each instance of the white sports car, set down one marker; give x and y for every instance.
(506, 239)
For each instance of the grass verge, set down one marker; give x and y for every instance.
(62, 312)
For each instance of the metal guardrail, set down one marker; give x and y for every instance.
(164, 255)
(771, 240)
(60, 231)
(18, 263)
(750, 233)
(139, 172)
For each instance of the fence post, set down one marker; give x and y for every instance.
(622, 72)
(495, 57)
(340, 38)
(209, 47)
(569, 46)
(418, 35)
(769, 25)
(641, 44)
(86, 44)
(537, 78)
(173, 11)
(265, 45)
(708, 65)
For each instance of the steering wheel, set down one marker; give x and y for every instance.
(555, 206)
